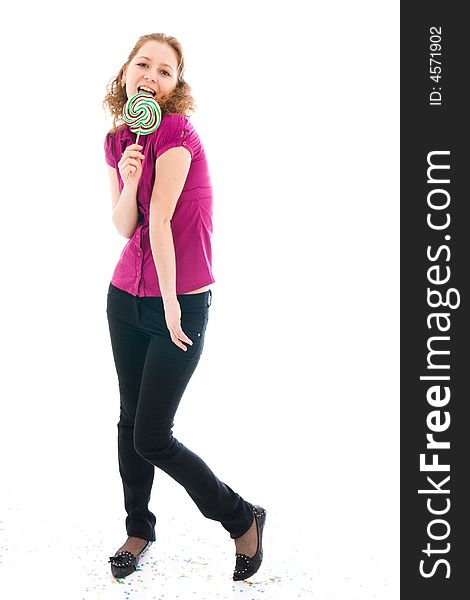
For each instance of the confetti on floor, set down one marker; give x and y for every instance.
(52, 555)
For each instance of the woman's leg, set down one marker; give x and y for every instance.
(167, 371)
(129, 346)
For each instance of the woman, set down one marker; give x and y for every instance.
(158, 302)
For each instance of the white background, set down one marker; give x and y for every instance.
(295, 402)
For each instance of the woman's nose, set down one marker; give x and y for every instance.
(151, 75)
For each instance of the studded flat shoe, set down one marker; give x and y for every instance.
(246, 566)
(124, 563)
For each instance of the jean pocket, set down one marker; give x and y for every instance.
(195, 328)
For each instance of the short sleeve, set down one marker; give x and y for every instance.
(174, 132)
(108, 149)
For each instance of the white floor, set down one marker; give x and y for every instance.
(44, 556)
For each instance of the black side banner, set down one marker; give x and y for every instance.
(434, 302)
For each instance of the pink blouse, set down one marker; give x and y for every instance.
(191, 224)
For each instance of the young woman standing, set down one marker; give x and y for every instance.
(158, 302)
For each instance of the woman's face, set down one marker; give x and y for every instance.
(155, 66)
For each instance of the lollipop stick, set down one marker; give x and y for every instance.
(137, 140)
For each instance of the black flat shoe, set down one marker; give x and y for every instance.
(244, 565)
(124, 563)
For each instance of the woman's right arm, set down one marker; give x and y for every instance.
(124, 205)
(125, 215)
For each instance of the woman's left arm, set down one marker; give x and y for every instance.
(171, 170)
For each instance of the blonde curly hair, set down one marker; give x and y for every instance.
(179, 100)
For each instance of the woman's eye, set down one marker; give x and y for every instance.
(145, 64)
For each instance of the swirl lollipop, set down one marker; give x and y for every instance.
(142, 113)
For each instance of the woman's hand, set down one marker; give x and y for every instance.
(130, 165)
(173, 322)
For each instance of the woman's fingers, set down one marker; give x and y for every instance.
(133, 150)
(134, 154)
(180, 335)
(131, 155)
(130, 165)
(173, 322)
(131, 160)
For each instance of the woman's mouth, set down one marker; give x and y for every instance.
(144, 89)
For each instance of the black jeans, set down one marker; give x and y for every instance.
(153, 374)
